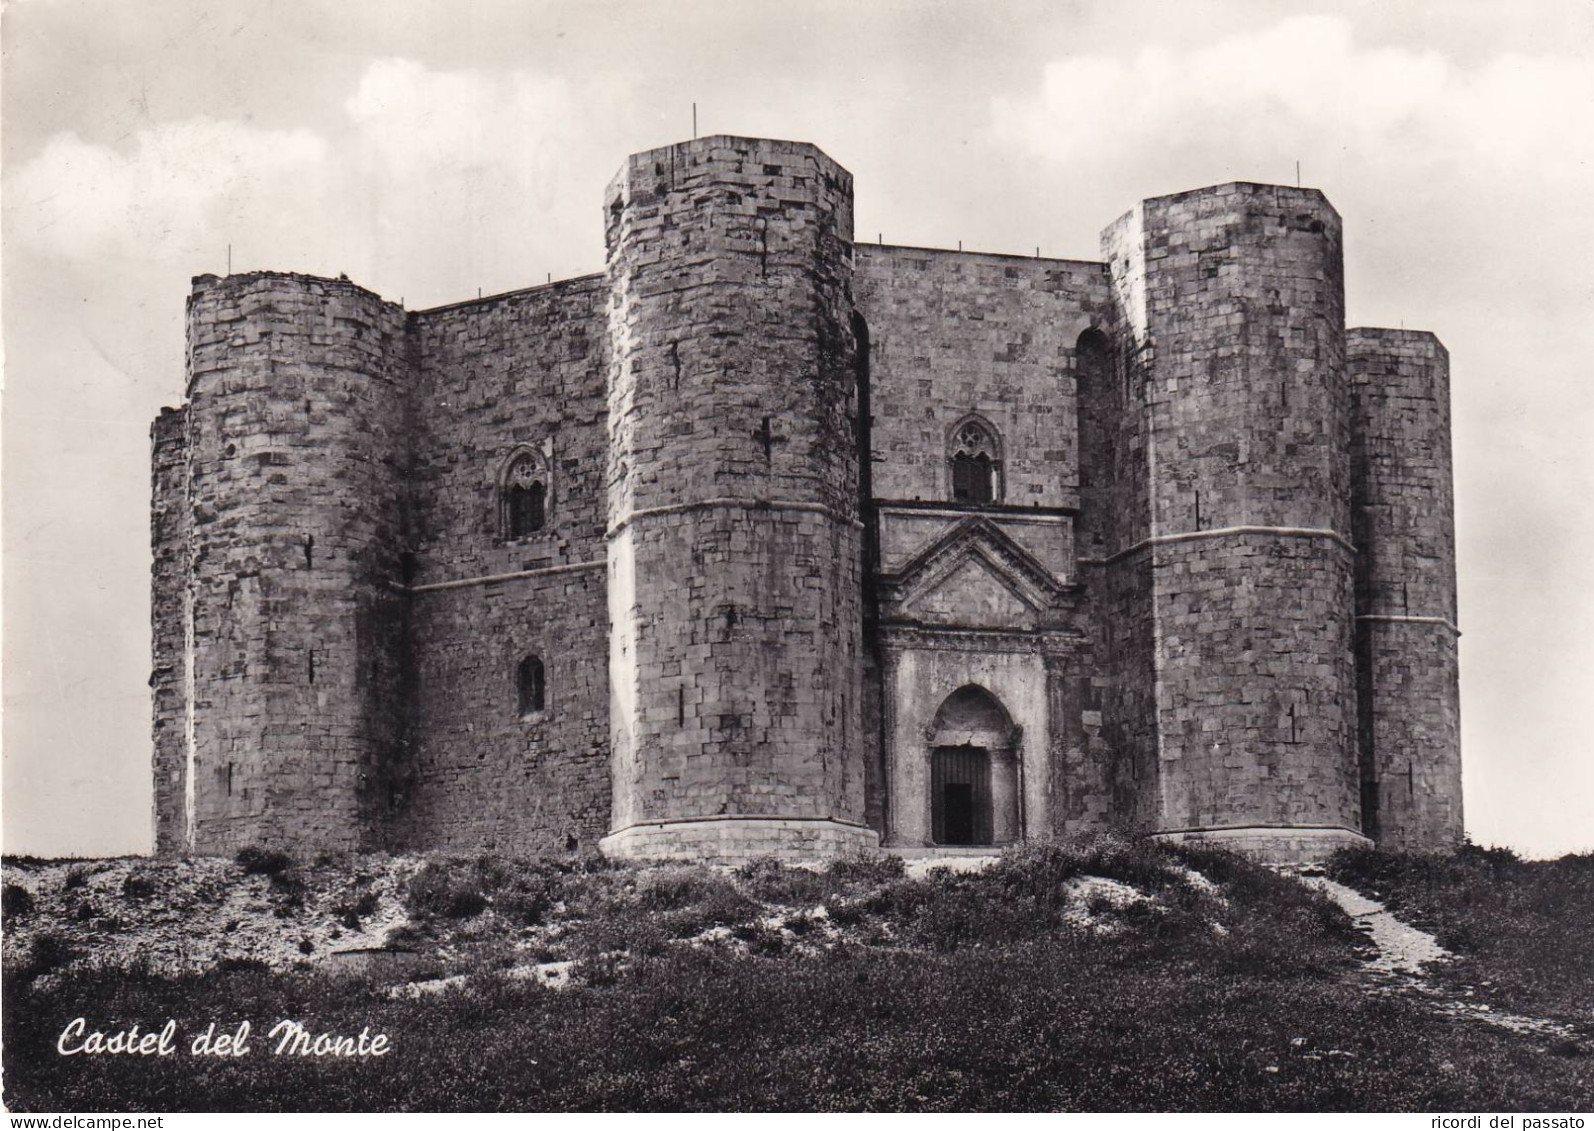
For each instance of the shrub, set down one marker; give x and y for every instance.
(406, 936)
(1038, 866)
(691, 900)
(670, 889)
(864, 871)
(769, 880)
(761, 940)
(1496, 857)
(598, 970)
(235, 963)
(355, 908)
(434, 891)
(448, 889)
(15, 900)
(290, 889)
(527, 908)
(256, 861)
(50, 952)
(804, 923)
(75, 878)
(138, 885)
(454, 888)
(845, 912)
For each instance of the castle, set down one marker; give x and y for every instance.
(767, 541)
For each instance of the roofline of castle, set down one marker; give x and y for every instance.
(861, 246)
(502, 295)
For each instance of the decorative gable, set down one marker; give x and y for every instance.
(975, 593)
(974, 575)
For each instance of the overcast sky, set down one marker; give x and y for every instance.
(428, 149)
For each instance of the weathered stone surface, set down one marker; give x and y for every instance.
(296, 441)
(1211, 595)
(735, 551)
(495, 379)
(1238, 412)
(1406, 635)
(168, 681)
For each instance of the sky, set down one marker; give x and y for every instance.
(428, 149)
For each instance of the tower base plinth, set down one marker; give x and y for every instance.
(736, 840)
(1272, 844)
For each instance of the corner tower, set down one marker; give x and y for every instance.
(280, 643)
(734, 540)
(1237, 476)
(1406, 634)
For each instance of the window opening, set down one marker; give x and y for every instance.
(975, 464)
(531, 686)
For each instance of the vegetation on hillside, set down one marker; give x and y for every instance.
(1522, 931)
(1090, 975)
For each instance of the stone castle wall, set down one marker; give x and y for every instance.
(956, 336)
(496, 378)
(1118, 572)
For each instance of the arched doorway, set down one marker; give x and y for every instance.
(974, 788)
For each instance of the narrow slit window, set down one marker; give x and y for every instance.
(531, 685)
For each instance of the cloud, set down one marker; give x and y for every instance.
(483, 170)
(168, 195)
(1305, 85)
(430, 183)
(414, 118)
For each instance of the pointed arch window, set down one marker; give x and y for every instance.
(527, 508)
(531, 686)
(976, 463)
(523, 495)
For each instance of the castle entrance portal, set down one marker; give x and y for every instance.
(974, 786)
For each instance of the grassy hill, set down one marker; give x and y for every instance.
(1091, 975)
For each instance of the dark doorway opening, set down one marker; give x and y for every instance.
(960, 796)
(957, 802)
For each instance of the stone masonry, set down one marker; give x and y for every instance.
(763, 541)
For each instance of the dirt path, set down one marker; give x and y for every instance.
(1401, 954)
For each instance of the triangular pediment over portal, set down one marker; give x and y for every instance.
(973, 575)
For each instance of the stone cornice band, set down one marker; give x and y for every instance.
(488, 579)
(1223, 532)
(721, 817)
(1387, 619)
